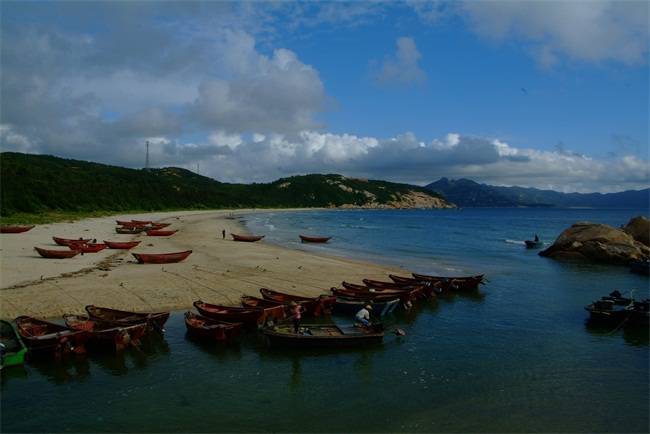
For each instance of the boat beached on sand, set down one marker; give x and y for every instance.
(124, 245)
(307, 239)
(14, 229)
(161, 258)
(246, 238)
(57, 254)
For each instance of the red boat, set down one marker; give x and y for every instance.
(14, 229)
(246, 315)
(131, 224)
(429, 288)
(142, 222)
(68, 241)
(161, 258)
(56, 254)
(159, 225)
(465, 283)
(130, 231)
(274, 309)
(44, 337)
(369, 295)
(210, 329)
(124, 245)
(321, 305)
(247, 238)
(88, 247)
(155, 320)
(306, 239)
(107, 335)
(160, 233)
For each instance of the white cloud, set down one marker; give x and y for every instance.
(403, 67)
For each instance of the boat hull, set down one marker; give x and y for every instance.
(208, 329)
(46, 338)
(107, 336)
(306, 239)
(248, 316)
(121, 245)
(8, 229)
(161, 258)
(160, 233)
(57, 254)
(322, 336)
(246, 238)
(154, 320)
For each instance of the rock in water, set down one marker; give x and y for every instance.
(639, 229)
(597, 243)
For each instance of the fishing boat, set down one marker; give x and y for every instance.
(210, 329)
(350, 306)
(14, 229)
(161, 258)
(106, 335)
(130, 231)
(370, 295)
(44, 337)
(123, 245)
(261, 303)
(13, 350)
(88, 247)
(246, 238)
(316, 306)
(246, 315)
(155, 320)
(70, 241)
(57, 254)
(160, 233)
(405, 292)
(306, 239)
(607, 311)
(454, 283)
(640, 267)
(532, 244)
(323, 335)
(142, 222)
(159, 225)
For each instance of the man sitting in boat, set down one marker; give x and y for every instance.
(363, 316)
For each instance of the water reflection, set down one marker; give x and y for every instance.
(218, 350)
(66, 370)
(637, 336)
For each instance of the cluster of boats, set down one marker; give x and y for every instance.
(303, 238)
(616, 310)
(105, 328)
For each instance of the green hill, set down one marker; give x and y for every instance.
(41, 183)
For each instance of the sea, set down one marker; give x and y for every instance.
(518, 356)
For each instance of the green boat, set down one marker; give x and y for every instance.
(12, 348)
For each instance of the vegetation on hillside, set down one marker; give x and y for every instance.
(43, 184)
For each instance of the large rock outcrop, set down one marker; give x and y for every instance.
(639, 229)
(597, 243)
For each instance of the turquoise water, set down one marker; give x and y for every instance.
(520, 357)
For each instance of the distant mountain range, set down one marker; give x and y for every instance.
(468, 193)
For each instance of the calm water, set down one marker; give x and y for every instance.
(518, 358)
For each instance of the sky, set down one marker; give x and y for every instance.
(546, 94)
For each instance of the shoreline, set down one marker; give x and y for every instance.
(218, 271)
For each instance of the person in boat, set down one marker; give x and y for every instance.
(363, 316)
(296, 311)
(536, 238)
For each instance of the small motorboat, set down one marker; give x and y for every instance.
(155, 320)
(247, 315)
(306, 239)
(246, 238)
(323, 335)
(161, 258)
(605, 310)
(70, 241)
(106, 335)
(211, 329)
(160, 233)
(123, 245)
(14, 229)
(13, 350)
(532, 244)
(57, 254)
(44, 337)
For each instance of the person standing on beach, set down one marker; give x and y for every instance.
(296, 311)
(223, 234)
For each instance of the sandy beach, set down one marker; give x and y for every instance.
(218, 271)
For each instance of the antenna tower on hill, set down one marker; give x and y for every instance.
(146, 162)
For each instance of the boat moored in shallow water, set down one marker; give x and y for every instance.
(323, 335)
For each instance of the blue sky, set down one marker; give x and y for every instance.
(542, 94)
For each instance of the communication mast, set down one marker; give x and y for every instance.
(146, 163)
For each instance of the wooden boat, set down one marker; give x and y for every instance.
(306, 239)
(13, 350)
(155, 320)
(70, 241)
(160, 233)
(161, 258)
(88, 247)
(14, 229)
(404, 292)
(454, 283)
(607, 311)
(321, 305)
(350, 306)
(159, 225)
(434, 287)
(370, 295)
(124, 245)
(246, 315)
(428, 290)
(322, 335)
(56, 254)
(246, 238)
(532, 244)
(130, 231)
(210, 329)
(279, 310)
(44, 337)
(107, 335)
(142, 222)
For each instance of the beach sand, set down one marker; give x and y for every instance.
(218, 271)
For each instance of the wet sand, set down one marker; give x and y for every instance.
(218, 271)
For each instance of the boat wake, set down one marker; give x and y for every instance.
(515, 242)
